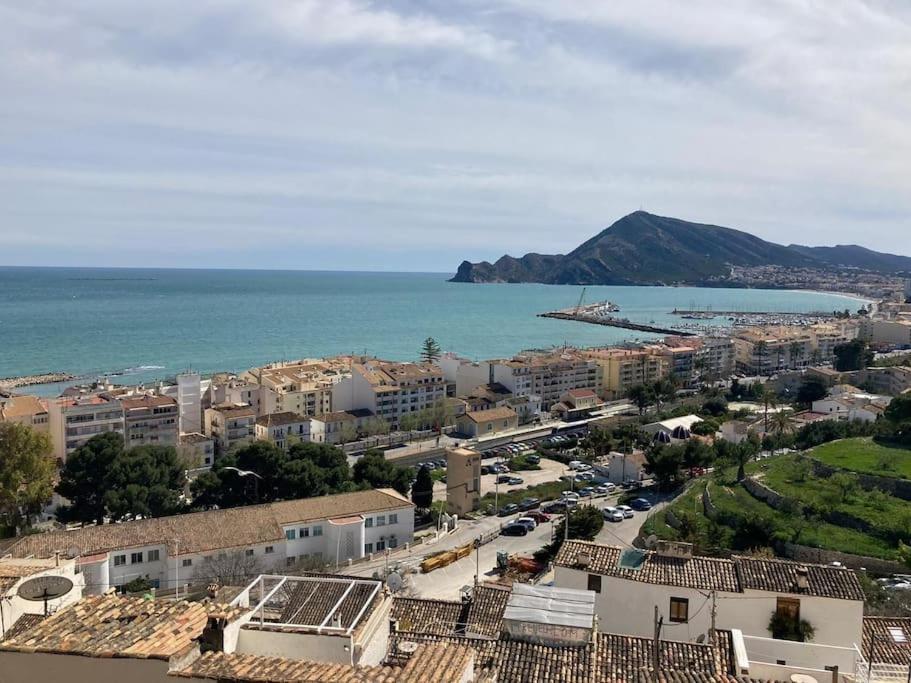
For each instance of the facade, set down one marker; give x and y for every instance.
(73, 421)
(673, 429)
(886, 332)
(622, 369)
(303, 387)
(189, 402)
(283, 429)
(235, 391)
(197, 450)
(744, 592)
(390, 390)
(546, 376)
(150, 421)
(14, 572)
(179, 550)
(488, 422)
(465, 374)
(577, 404)
(27, 410)
(622, 467)
(230, 425)
(771, 349)
(339, 426)
(463, 480)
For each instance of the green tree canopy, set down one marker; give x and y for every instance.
(853, 355)
(811, 389)
(430, 350)
(374, 471)
(422, 490)
(84, 478)
(26, 472)
(642, 396)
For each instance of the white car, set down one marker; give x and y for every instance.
(527, 521)
(626, 510)
(575, 464)
(612, 514)
(570, 494)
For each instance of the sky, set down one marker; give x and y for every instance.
(410, 135)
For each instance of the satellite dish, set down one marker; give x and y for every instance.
(44, 588)
(395, 582)
(408, 647)
(651, 542)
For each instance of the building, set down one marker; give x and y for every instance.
(465, 374)
(230, 425)
(180, 550)
(463, 480)
(546, 375)
(673, 429)
(896, 333)
(197, 451)
(852, 405)
(622, 369)
(303, 387)
(14, 572)
(234, 391)
(390, 390)
(743, 592)
(189, 402)
(75, 420)
(770, 349)
(618, 468)
(30, 411)
(488, 422)
(150, 420)
(340, 426)
(284, 429)
(577, 404)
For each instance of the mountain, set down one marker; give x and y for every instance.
(644, 249)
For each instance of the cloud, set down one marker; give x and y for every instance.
(443, 129)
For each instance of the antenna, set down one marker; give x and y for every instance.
(44, 588)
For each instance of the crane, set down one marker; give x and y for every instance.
(579, 305)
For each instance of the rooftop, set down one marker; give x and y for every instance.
(502, 413)
(581, 393)
(113, 626)
(206, 531)
(194, 437)
(147, 401)
(280, 419)
(482, 615)
(892, 636)
(734, 575)
(233, 410)
(21, 406)
(12, 570)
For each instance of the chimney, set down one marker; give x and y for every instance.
(683, 551)
(803, 581)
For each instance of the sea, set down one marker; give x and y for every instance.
(142, 325)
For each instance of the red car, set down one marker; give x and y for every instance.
(538, 516)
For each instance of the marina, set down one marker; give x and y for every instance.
(599, 313)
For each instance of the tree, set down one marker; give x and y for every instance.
(26, 472)
(430, 350)
(663, 390)
(853, 355)
(374, 471)
(781, 426)
(795, 353)
(233, 568)
(422, 490)
(330, 460)
(845, 484)
(810, 390)
(769, 400)
(761, 347)
(641, 396)
(598, 441)
(743, 452)
(84, 478)
(585, 521)
(347, 433)
(899, 409)
(716, 406)
(664, 462)
(144, 481)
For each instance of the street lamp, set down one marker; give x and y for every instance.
(247, 473)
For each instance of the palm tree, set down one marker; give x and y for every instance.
(769, 400)
(781, 424)
(641, 395)
(796, 349)
(665, 389)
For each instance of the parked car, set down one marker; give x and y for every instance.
(485, 469)
(626, 510)
(640, 504)
(587, 492)
(529, 503)
(570, 495)
(527, 521)
(507, 510)
(539, 517)
(514, 529)
(604, 488)
(533, 459)
(587, 476)
(575, 464)
(554, 507)
(515, 481)
(570, 502)
(504, 479)
(612, 514)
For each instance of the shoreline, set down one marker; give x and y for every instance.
(9, 383)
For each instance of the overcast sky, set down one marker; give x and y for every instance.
(412, 135)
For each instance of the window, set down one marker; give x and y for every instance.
(393, 543)
(789, 608)
(368, 522)
(380, 545)
(249, 552)
(135, 558)
(187, 563)
(269, 550)
(594, 582)
(304, 532)
(394, 518)
(120, 560)
(290, 560)
(381, 520)
(290, 534)
(368, 548)
(680, 610)
(153, 556)
(317, 531)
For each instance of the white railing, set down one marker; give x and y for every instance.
(880, 672)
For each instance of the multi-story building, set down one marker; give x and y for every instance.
(715, 356)
(886, 332)
(150, 420)
(189, 402)
(390, 390)
(75, 420)
(197, 451)
(463, 373)
(771, 349)
(463, 480)
(27, 410)
(230, 425)
(303, 387)
(622, 369)
(176, 551)
(285, 429)
(546, 375)
(236, 392)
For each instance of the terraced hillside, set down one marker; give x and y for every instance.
(792, 499)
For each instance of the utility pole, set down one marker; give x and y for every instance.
(714, 612)
(177, 568)
(477, 561)
(656, 647)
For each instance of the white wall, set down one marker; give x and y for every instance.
(763, 654)
(312, 646)
(12, 606)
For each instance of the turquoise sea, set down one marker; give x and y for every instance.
(150, 324)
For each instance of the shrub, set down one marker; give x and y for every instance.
(785, 627)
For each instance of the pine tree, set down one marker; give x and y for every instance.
(430, 350)
(422, 490)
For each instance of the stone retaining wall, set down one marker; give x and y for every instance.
(900, 488)
(708, 507)
(769, 496)
(803, 553)
(672, 521)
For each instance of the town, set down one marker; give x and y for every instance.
(716, 505)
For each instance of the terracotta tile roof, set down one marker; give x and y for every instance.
(502, 413)
(443, 663)
(888, 633)
(279, 419)
(483, 615)
(143, 402)
(582, 393)
(22, 406)
(780, 576)
(206, 531)
(231, 410)
(24, 623)
(113, 626)
(337, 416)
(194, 437)
(707, 573)
(12, 570)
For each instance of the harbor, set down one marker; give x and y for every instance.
(600, 313)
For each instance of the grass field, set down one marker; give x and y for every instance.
(864, 455)
(550, 490)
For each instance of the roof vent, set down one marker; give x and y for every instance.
(583, 559)
(803, 581)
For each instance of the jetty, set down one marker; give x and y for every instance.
(610, 321)
(31, 380)
(709, 312)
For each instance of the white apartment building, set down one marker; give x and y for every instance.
(889, 332)
(546, 376)
(230, 425)
(744, 592)
(465, 374)
(303, 387)
(767, 350)
(237, 392)
(285, 429)
(197, 450)
(73, 421)
(150, 421)
(172, 551)
(390, 390)
(189, 402)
